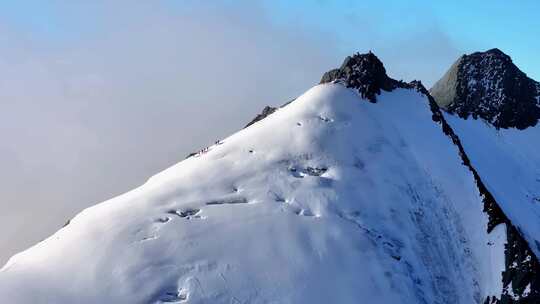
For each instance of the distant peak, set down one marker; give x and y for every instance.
(490, 86)
(364, 72)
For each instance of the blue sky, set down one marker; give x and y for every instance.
(514, 27)
(358, 25)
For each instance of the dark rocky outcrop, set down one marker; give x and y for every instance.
(265, 112)
(490, 86)
(364, 72)
(521, 277)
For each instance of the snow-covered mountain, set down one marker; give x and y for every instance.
(494, 108)
(360, 190)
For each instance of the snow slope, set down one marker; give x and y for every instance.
(330, 199)
(508, 161)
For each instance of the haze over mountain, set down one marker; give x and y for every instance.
(98, 95)
(360, 188)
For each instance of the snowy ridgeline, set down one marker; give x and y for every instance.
(328, 200)
(508, 161)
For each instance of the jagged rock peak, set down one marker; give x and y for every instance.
(364, 72)
(265, 112)
(490, 86)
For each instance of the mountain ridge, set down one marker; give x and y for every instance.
(360, 172)
(366, 73)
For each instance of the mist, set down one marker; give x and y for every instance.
(122, 91)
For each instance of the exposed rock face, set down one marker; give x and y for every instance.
(265, 112)
(490, 86)
(364, 72)
(521, 278)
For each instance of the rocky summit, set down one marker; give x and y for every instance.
(488, 85)
(364, 72)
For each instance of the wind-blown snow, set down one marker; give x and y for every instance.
(508, 161)
(331, 199)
